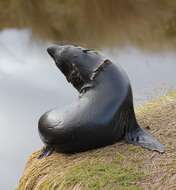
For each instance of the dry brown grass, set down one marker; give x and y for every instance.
(116, 167)
(95, 22)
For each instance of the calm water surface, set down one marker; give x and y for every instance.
(31, 84)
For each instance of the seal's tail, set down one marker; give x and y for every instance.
(139, 136)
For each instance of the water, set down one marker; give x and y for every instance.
(151, 74)
(31, 84)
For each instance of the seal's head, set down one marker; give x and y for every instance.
(75, 62)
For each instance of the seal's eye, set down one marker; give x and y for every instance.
(85, 50)
(88, 50)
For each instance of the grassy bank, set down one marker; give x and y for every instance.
(96, 23)
(117, 167)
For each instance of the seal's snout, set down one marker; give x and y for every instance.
(51, 51)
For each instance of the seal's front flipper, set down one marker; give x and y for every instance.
(139, 136)
(46, 151)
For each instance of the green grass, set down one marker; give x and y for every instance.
(94, 174)
(102, 175)
(112, 173)
(172, 93)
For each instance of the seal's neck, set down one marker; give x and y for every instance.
(100, 68)
(95, 74)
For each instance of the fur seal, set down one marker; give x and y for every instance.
(103, 113)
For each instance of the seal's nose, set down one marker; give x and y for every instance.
(51, 51)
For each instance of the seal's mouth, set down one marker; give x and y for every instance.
(51, 51)
(72, 75)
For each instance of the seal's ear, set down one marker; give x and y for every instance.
(107, 62)
(100, 68)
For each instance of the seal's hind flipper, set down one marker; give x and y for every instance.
(139, 136)
(46, 151)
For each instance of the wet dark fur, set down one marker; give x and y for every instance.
(104, 112)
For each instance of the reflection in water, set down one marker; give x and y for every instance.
(31, 84)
